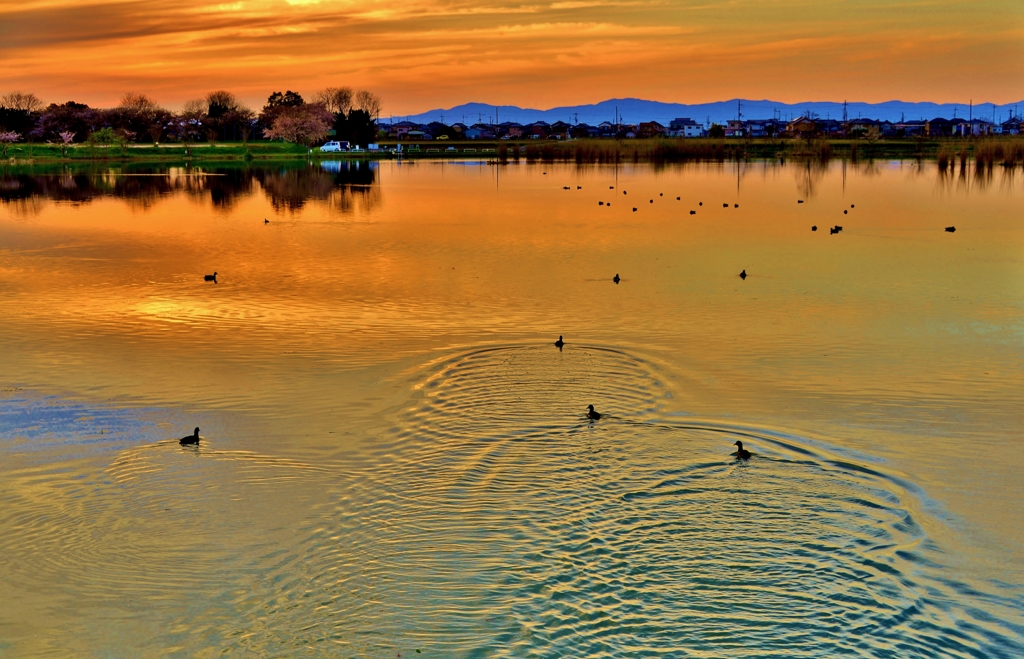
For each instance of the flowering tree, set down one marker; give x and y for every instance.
(7, 137)
(66, 138)
(302, 124)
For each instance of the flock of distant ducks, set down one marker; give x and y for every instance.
(592, 414)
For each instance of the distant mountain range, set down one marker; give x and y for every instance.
(634, 110)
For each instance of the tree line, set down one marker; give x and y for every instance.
(217, 117)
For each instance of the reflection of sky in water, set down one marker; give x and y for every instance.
(375, 348)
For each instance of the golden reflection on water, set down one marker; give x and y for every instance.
(893, 339)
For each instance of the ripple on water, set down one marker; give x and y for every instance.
(497, 521)
(511, 526)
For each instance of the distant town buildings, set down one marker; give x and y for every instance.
(685, 127)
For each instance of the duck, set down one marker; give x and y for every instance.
(693, 212)
(266, 221)
(725, 205)
(616, 278)
(833, 231)
(799, 201)
(700, 203)
(634, 209)
(845, 212)
(212, 277)
(743, 275)
(652, 201)
(600, 203)
(593, 414)
(951, 229)
(814, 227)
(190, 439)
(735, 205)
(678, 198)
(559, 342)
(741, 453)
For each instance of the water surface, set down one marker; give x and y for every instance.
(396, 456)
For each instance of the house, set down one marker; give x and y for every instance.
(511, 129)
(910, 128)
(648, 129)
(1010, 127)
(735, 128)
(402, 128)
(802, 127)
(939, 127)
(538, 130)
(684, 127)
(974, 127)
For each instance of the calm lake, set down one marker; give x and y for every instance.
(396, 458)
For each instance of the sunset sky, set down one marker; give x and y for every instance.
(423, 54)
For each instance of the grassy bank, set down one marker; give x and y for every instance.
(1006, 151)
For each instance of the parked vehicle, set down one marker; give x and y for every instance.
(335, 146)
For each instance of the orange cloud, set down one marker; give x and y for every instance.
(429, 53)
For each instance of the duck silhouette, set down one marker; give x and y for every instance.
(600, 203)
(741, 453)
(833, 231)
(799, 201)
(266, 221)
(693, 212)
(814, 228)
(743, 275)
(735, 205)
(951, 229)
(212, 277)
(616, 278)
(559, 342)
(593, 414)
(190, 439)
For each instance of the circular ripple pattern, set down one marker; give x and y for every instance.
(513, 527)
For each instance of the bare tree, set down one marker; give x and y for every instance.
(368, 102)
(335, 99)
(21, 101)
(140, 104)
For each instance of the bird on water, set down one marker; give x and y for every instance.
(559, 342)
(743, 275)
(814, 228)
(951, 229)
(266, 221)
(741, 452)
(190, 439)
(593, 414)
(616, 278)
(212, 277)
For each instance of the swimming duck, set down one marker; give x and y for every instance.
(736, 206)
(266, 221)
(743, 275)
(741, 453)
(693, 212)
(593, 414)
(212, 277)
(814, 228)
(951, 229)
(190, 439)
(559, 342)
(616, 278)
(833, 231)
(845, 212)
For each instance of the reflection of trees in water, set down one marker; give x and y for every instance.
(344, 186)
(809, 174)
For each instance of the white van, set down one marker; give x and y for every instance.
(335, 146)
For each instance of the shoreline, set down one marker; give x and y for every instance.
(1007, 150)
